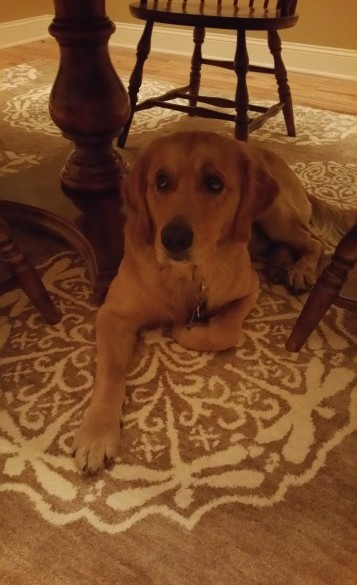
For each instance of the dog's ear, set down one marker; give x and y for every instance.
(133, 192)
(258, 190)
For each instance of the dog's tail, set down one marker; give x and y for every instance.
(330, 221)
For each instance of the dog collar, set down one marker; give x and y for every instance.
(200, 314)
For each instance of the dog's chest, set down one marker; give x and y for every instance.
(188, 296)
(182, 296)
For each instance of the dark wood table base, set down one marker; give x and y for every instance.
(89, 104)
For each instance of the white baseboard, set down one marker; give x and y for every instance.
(25, 30)
(327, 61)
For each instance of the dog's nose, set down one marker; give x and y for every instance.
(177, 237)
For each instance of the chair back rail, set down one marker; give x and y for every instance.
(286, 7)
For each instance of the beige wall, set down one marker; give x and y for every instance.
(15, 9)
(329, 23)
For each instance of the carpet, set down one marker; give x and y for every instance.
(234, 468)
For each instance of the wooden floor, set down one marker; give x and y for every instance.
(307, 90)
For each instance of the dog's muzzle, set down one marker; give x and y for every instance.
(177, 238)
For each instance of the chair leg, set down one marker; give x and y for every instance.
(136, 78)
(196, 64)
(281, 77)
(241, 66)
(23, 270)
(325, 291)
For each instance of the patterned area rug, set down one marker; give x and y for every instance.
(237, 467)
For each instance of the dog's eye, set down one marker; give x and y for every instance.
(162, 182)
(213, 183)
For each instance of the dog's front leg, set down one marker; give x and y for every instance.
(223, 330)
(97, 439)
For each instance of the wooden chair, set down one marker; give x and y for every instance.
(25, 273)
(329, 289)
(238, 15)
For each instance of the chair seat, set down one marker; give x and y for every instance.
(225, 16)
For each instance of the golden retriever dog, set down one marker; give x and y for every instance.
(191, 200)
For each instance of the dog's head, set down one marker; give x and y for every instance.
(192, 191)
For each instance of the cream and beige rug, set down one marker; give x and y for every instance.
(236, 468)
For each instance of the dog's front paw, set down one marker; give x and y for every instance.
(301, 277)
(206, 337)
(96, 442)
(194, 338)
